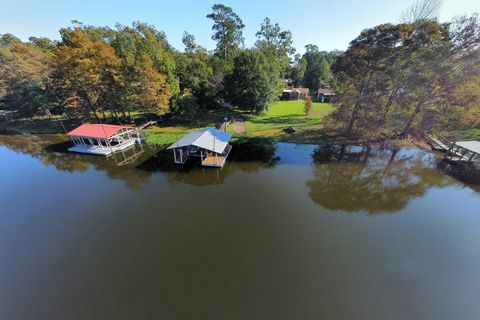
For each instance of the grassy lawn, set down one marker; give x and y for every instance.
(280, 115)
(283, 114)
(468, 134)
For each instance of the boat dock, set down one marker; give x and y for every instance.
(464, 152)
(209, 144)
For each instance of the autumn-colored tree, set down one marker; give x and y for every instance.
(84, 70)
(24, 77)
(153, 91)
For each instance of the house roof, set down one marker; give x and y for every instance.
(95, 130)
(325, 92)
(302, 90)
(210, 139)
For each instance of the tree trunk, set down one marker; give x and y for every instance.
(407, 128)
(356, 107)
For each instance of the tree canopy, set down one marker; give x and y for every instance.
(395, 78)
(254, 82)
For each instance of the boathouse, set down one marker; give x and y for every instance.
(102, 139)
(210, 145)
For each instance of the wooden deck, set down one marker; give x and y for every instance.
(217, 161)
(214, 161)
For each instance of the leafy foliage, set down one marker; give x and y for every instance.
(228, 31)
(408, 76)
(254, 82)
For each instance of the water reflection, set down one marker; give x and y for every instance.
(51, 150)
(192, 173)
(345, 177)
(375, 180)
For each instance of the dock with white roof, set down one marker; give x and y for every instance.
(210, 145)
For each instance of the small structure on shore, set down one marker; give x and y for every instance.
(324, 95)
(210, 145)
(102, 139)
(292, 93)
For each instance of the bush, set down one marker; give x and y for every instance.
(253, 149)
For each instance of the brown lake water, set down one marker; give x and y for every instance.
(325, 232)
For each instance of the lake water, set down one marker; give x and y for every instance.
(322, 233)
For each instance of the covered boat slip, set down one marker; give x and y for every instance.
(210, 145)
(102, 139)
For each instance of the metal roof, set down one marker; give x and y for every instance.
(210, 139)
(473, 146)
(95, 130)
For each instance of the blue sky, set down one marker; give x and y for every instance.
(328, 24)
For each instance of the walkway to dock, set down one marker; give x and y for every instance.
(146, 124)
(439, 143)
(239, 126)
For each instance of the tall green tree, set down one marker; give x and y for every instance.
(297, 70)
(254, 82)
(195, 73)
(228, 31)
(275, 43)
(317, 70)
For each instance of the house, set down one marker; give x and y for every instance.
(210, 145)
(292, 93)
(102, 139)
(325, 95)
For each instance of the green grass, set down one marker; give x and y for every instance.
(283, 114)
(468, 134)
(280, 115)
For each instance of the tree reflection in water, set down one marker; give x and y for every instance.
(375, 180)
(51, 150)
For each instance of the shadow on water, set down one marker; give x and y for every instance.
(467, 174)
(135, 166)
(376, 180)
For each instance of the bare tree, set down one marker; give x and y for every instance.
(422, 10)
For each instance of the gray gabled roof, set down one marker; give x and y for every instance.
(210, 139)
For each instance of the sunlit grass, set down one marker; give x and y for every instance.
(280, 115)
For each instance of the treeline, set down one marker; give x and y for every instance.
(100, 72)
(420, 74)
(416, 76)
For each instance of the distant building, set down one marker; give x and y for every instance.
(292, 93)
(325, 95)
